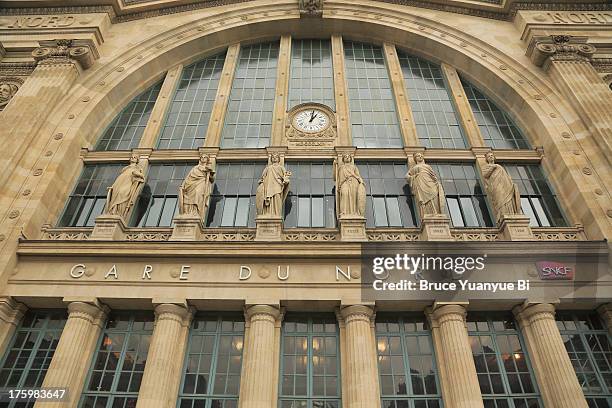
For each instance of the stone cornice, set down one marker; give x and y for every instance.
(543, 50)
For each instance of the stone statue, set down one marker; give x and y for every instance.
(194, 192)
(7, 91)
(122, 194)
(502, 191)
(272, 189)
(426, 188)
(350, 188)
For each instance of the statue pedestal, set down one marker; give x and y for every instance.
(269, 229)
(516, 228)
(436, 228)
(187, 228)
(353, 229)
(108, 228)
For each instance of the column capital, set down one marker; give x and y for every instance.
(357, 313)
(171, 311)
(605, 311)
(11, 311)
(262, 312)
(440, 314)
(66, 52)
(527, 313)
(544, 49)
(93, 313)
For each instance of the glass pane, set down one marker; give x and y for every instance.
(311, 73)
(455, 212)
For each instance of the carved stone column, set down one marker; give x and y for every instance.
(58, 65)
(258, 381)
(74, 351)
(11, 313)
(360, 360)
(552, 366)
(162, 375)
(567, 60)
(458, 378)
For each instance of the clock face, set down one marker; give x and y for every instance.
(311, 120)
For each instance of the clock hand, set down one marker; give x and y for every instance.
(311, 116)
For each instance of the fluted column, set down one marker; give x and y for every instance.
(162, 375)
(567, 60)
(74, 351)
(361, 376)
(458, 377)
(11, 313)
(258, 380)
(552, 366)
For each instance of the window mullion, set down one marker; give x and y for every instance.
(340, 92)
(281, 92)
(214, 359)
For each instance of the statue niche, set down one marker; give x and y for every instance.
(426, 188)
(122, 195)
(194, 193)
(502, 191)
(272, 189)
(350, 189)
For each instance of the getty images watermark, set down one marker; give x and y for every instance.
(452, 267)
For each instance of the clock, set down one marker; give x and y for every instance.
(311, 120)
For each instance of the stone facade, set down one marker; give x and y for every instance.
(67, 71)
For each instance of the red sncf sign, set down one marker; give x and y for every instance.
(549, 270)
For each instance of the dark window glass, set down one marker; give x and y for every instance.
(465, 199)
(503, 368)
(248, 120)
(126, 129)
(310, 362)
(311, 199)
(189, 113)
(88, 198)
(29, 354)
(232, 203)
(587, 342)
(406, 363)
(388, 198)
(158, 201)
(118, 365)
(312, 78)
(538, 201)
(497, 128)
(433, 111)
(372, 105)
(211, 376)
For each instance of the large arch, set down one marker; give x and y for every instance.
(517, 87)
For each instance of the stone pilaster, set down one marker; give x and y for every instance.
(258, 381)
(74, 351)
(552, 366)
(458, 378)
(567, 60)
(58, 65)
(605, 311)
(360, 360)
(11, 313)
(162, 375)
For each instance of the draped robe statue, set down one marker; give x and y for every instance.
(350, 189)
(194, 192)
(272, 189)
(123, 193)
(502, 191)
(426, 188)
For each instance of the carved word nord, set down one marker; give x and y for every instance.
(41, 22)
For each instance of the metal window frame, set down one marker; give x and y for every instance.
(309, 334)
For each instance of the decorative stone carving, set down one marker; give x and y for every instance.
(426, 188)
(350, 188)
(194, 192)
(122, 194)
(320, 122)
(542, 50)
(8, 89)
(502, 191)
(61, 52)
(311, 8)
(272, 189)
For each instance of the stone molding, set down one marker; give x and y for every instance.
(11, 311)
(311, 8)
(20, 69)
(66, 52)
(545, 49)
(262, 313)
